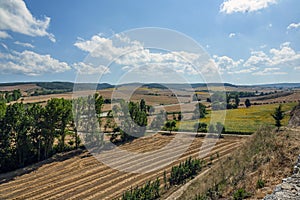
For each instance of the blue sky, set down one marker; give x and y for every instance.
(248, 42)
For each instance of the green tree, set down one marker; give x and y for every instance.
(170, 125)
(2, 109)
(220, 128)
(201, 127)
(247, 103)
(278, 115)
(200, 111)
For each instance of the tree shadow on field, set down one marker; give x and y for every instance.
(9, 176)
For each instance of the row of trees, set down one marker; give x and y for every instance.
(133, 119)
(8, 96)
(147, 192)
(212, 128)
(27, 132)
(30, 132)
(184, 171)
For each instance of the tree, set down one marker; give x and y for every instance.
(201, 127)
(220, 128)
(247, 103)
(200, 111)
(170, 125)
(278, 115)
(237, 100)
(2, 109)
(158, 122)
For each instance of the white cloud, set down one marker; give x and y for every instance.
(275, 61)
(106, 48)
(257, 58)
(231, 6)
(293, 26)
(84, 68)
(285, 55)
(132, 56)
(269, 71)
(15, 16)
(226, 63)
(24, 44)
(4, 35)
(30, 63)
(231, 35)
(243, 71)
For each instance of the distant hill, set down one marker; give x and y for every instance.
(69, 86)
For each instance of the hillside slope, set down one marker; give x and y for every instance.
(253, 170)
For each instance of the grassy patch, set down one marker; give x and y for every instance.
(243, 119)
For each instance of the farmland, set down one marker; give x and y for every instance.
(83, 177)
(89, 176)
(244, 119)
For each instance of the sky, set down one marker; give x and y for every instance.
(234, 41)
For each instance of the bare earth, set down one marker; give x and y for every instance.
(84, 177)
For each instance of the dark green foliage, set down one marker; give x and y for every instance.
(278, 115)
(200, 197)
(133, 117)
(201, 127)
(28, 131)
(240, 194)
(260, 184)
(247, 103)
(8, 96)
(170, 125)
(200, 111)
(184, 171)
(148, 191)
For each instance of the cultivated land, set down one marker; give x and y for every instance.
(84, 177)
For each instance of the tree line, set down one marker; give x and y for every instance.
(8, 96)
(30, 132)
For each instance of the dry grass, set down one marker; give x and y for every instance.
(268, 156)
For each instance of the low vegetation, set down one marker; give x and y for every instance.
(267, 155)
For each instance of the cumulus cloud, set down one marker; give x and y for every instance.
(30, 63)
(84, 68)
(24, 44)
(15, 16)
(231, 6)
(293, 26)
(132, 56)
(227, 63)
(4, 35)
(231, 35)
(106, 48)
(275, 61)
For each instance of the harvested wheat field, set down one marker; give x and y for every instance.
(82, 176)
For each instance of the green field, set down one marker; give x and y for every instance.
(243, 119)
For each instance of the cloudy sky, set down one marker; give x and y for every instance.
(245, 41)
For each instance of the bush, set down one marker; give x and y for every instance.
(260, 183)
(240, 194)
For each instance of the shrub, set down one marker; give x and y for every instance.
(260, 183)
(240, 194)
